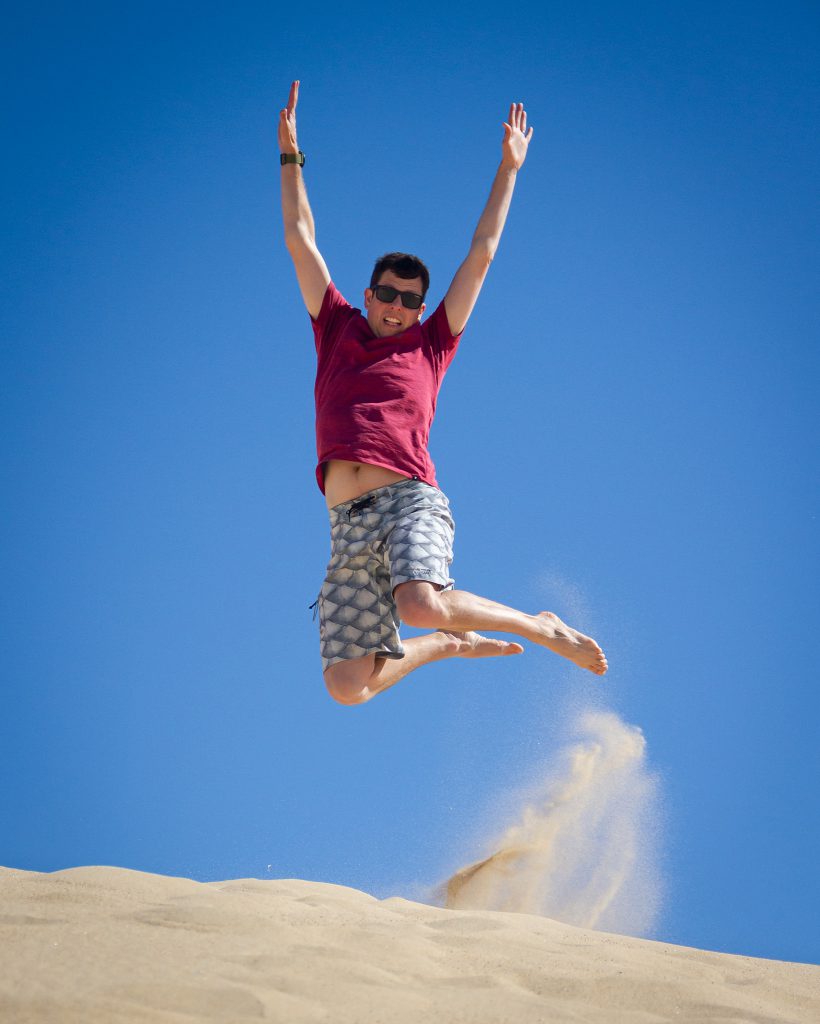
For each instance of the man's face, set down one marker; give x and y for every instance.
(389, 318)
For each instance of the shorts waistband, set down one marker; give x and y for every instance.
(371, 498)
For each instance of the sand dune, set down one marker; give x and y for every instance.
(109, 945)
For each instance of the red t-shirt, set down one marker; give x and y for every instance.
(376, 397)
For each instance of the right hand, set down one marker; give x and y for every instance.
(287, 122)
(516, 137)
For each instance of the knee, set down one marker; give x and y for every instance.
(419, 605)
(346, 682)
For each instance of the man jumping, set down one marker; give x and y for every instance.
(377, 382)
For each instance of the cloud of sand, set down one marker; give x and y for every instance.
(584, 847)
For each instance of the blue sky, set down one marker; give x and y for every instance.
(628, 435)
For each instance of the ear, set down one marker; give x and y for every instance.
(422, 308)
(368, 297)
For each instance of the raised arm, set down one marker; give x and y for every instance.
(463, 292)
(300, 231)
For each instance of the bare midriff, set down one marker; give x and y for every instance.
(345, 481)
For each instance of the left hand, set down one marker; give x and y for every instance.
(516, 137)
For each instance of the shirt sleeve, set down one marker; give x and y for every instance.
(443, 343)
(332, 316)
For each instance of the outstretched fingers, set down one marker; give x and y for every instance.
(293, 97)
(516, 136)
(517, 120)
(518, 117)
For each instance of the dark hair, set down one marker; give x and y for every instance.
(403, 265)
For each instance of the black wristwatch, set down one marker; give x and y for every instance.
(292, 158)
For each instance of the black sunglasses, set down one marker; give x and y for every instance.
(410, 300)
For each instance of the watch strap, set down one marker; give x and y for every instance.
(292, 158)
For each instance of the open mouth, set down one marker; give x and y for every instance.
(393, 321)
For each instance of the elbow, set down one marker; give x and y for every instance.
(297, 236)
(482, 252)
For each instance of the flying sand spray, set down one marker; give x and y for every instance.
(584, 850)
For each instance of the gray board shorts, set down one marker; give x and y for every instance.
(388, 536)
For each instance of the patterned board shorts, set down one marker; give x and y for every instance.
(388, 536)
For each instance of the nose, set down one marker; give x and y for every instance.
(395, 305)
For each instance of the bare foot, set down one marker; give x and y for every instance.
(569, 643)
(474, 645)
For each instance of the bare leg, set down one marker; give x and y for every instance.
(421, 604)
(355, 682)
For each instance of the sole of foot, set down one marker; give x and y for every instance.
(474, 645)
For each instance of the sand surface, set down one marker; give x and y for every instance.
(101, 944)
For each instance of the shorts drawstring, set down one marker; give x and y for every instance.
(357, 506)
(365, 502)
